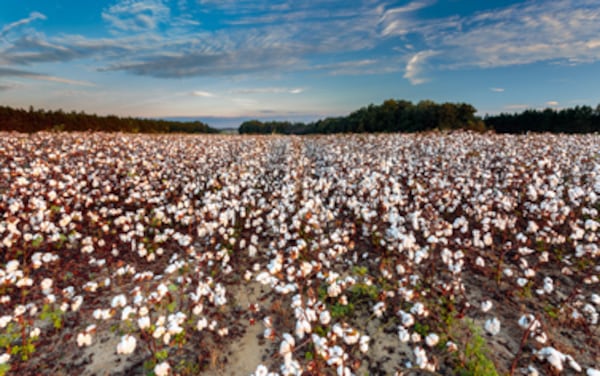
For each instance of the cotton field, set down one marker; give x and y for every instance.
(432, 253)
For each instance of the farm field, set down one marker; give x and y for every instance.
(438, 253)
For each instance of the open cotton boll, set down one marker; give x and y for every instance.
(126, 345)
(432, 339)
(162, 369)
(492, 326)
(486, 305)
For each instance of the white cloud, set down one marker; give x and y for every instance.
(534, 31)
(204, 94)
(399, 20)
(414, 67)
(497, 89)
(32, 17)
(136, 15)
(268, 90)
(552, 103)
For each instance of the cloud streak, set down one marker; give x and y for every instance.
(10, 72)
(416, 66)
(268, 90)
(136, 15)
(11, 26)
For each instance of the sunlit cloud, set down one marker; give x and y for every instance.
(497, 89)
(268, 90)
(204, 94)
(552, 103)
(414, 67)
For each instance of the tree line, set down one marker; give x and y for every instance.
(34, 120)
(580, 119)
(391, 116)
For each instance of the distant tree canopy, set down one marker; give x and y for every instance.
(40, 120)
(581, 119)
(391, 116)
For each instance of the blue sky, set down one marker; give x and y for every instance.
(215, 59)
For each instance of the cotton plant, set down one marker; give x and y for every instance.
(149, 233)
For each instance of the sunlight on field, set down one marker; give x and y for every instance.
(454, 253)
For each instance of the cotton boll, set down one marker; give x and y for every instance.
(486, 305)
(492, 326)
(126, 345)
(84, 339)
(432, 339)
(162, 369)
(364, 343)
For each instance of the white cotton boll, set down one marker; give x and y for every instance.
(552, 356)
(287, 345)
(541, 337)
(261, 370)
(334, 290)
(46, 285)
(548, 285)
(202, 324)
(415, 337)
(418, 309)
(492, 326)
(162, 369)
(486, 305)
(378, 309)
(573, 364)
(364, 343)
(479, 261)
(325, 317)
(84, 339)
(532, 371)
(144, 322)
(351, 336)
(35, 333)
(432, 339)
(522, 281)
(127, 345)
(529, 273)
(118, 301)
(12, 266)
(4, 358)
(589, 372)
(403, 334)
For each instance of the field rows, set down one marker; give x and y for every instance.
(434, 253)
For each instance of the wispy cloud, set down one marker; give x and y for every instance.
(203, 94)
(552, 103)
(414, 67)
(529, 32)
(497, 89)
(32, 17)
(400, 20)
(10, 72)
(136, 15)
(268, 90)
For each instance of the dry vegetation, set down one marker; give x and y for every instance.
(456, 253)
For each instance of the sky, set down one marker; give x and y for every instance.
(222, 61)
